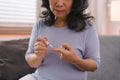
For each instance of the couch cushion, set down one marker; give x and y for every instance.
(12, 61)
(13, 64)
(110, 59)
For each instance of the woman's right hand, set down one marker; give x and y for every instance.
(40, 48)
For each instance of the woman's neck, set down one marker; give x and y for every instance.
(60, 23)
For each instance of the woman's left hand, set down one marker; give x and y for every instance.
(66, 52)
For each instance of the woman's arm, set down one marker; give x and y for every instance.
(67, 53)
(40, 48)
(85, 64)
(33, 60)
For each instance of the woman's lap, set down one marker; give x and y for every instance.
(27, 77)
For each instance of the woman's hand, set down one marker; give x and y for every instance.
(66, 52)
(40, 48)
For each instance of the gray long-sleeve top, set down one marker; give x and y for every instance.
(85, 43)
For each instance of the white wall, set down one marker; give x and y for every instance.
(101, 10)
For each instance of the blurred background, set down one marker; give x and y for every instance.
(18, 16)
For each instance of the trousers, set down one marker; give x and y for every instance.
(27, 77)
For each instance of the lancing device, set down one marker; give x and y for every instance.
(48, 44)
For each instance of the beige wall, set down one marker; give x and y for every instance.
(38, 9)
(100, 10)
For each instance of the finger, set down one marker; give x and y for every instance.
(39, 39)
(38, 52)
(39, 44)
(40, 48)
(59, 50)
(67, 46)
(45, 39)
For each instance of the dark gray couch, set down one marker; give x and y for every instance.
(110, 59)
(13, 65)
(12, 61)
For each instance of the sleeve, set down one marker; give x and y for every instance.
(92, 48)
(33, 37)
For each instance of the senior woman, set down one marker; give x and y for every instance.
(64, 44)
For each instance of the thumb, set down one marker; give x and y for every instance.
(39, 39)
(45, 39)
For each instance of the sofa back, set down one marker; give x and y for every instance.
(109, 68)
(12, 61)
(13, 64)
